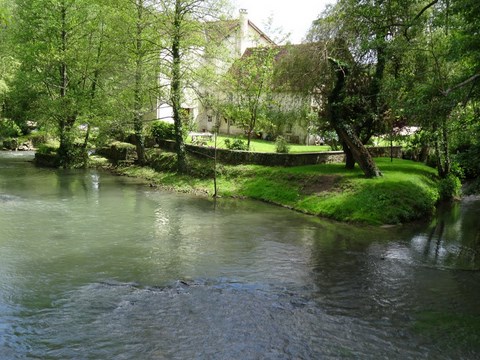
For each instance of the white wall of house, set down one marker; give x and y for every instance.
(243, 35)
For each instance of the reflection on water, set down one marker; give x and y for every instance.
(100, 267)
(453, 238)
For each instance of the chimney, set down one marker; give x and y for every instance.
(243, 31)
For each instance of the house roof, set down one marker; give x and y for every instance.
(224, 28)
(284, 54)
(260, 32)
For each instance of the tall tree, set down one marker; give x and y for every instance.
(137, 24)
(250, 86)
(338, 86)
(58, 57)
(7, 62)
(438, 70)
(336, 114)
(185, 28)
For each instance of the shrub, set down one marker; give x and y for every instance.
(38, 138)
(162, 160)
(281, 145)
(9, 129)
(449, 187)
(236, 144)
(162, 130)
(10, 143)
(469, 161)
(47, 149)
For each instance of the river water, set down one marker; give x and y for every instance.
(95, 266)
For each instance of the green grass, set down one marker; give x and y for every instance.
(265, 146)
(407, 191)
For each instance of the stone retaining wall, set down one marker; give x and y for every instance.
(118, 152)
(234, 157)
(276, 159)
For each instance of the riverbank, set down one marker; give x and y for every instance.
(408, 191)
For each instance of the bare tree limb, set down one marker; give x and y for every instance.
(425, 8)
(420, 13)
(462, 84)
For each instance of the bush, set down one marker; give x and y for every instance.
(281, 145)
(47, 149)
(449, 187)
(469, 160)
(162, 130)
(10, 144)
(236, 144)
(9, 129)
(162, 160)
(38, 138)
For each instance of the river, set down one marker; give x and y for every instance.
(96, 266)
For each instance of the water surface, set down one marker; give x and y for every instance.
(95, 266)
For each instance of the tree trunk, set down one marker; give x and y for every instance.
(446, 152)
(138, 104)
(66, 120)
(345, 134)
(66, 151)
(177, 90)
(349, 159)
(359, 152)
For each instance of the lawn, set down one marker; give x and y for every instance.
(265, 146)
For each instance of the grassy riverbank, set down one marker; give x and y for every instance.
(406, 192)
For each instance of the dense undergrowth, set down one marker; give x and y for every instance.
(407, 191)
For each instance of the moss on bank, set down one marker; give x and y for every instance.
(407, 191)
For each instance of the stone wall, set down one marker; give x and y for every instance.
(118, 152)
(245, 157)
(386, 151)
(273, 159)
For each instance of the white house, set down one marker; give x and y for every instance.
(235, 36)
(240, 34)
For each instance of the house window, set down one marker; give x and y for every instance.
(209, 118)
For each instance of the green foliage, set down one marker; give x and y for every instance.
(72, 156)
(162, 130)
(469, 161)
(236, 144)
(47, 149)
(465, 141)
(162, 160)
(8, 128)
(449, 187)
(281, 145)
(417, 146)
(250, 83)
(39, 137)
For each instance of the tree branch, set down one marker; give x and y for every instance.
(420, 13)
(462, 84)
(425, 8)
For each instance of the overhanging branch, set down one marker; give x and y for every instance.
(462, 84)
(420, 13)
